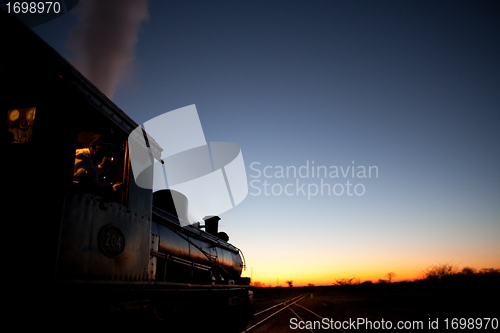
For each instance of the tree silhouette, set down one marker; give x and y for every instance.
(439, 271)
(347, 282)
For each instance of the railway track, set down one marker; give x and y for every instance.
(286, 316)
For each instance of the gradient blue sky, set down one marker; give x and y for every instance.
(412, 87)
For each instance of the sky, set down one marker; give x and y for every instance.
(403, 93)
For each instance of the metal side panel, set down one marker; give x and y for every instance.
(102, 240)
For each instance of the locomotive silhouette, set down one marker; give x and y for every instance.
(88, 248)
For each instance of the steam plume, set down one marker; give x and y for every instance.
(105, 39)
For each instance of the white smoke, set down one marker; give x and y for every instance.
(105, 38)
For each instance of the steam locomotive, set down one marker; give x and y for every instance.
(111, 255)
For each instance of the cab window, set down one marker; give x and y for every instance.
(20, 123)
(100, 166)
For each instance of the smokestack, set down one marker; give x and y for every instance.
(212, 225)
(104, 41)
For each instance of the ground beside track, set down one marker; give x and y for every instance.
(416, 306)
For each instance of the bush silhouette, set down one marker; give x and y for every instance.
(439, 271)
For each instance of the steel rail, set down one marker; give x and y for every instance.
(297, 315)
(276, 305)
(293, 301)
(314, 313)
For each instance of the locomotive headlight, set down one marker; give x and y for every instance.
(14, 115)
